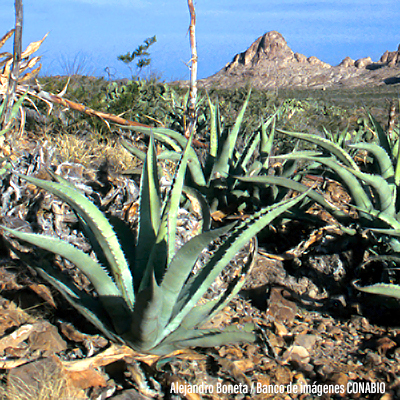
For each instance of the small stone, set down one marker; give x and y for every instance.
(384, 344)
(280, 329)
(364, 323)
(130, 394)
(298, 354)
(373, 359)
(387, 396)
(307, 341)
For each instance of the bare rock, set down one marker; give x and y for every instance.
(384, 58)
(363, 62)
(271, 50)
(316, 61)
(301, 58)
(391, 58)
(347, 62)
(48, 341)
(270, 47)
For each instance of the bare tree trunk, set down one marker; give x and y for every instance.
(191, 107)
(13, 78)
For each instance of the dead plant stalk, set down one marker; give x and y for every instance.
(192, 115)
(13, 78)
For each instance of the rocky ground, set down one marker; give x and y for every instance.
(317, 337)
(275, 76)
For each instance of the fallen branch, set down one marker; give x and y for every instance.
(89, 111)
(49, 97)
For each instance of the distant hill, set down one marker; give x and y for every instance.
(270, 63)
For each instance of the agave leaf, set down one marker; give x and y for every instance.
(80, 300)
(106, 289)
(382, 137)
(358, 194)
(180, 268)
(146, 314)
(177, 142)
(165, 136)
(14, 111)
(76, 302)
(169, 155)
(382, 157)
(85, 227)
(247, 153)
(267, 140)
(385, 289)
(17, 105)
(215, 139)
(255, 168)
(163, 249)
(389, 232)
(214, 134)
(203, 205)
(207, 311)
(149, 212)
(328, 145)
(174, 198)
(397, 163)
(101, 229)
(341, 137)
(199, 314)
(386, 192)
(224, 158)
(206, 338)
(293, 185)
(198, 285)
(141, 155)
(98, 276)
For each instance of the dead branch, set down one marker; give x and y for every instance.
(13, 77)
(191, 107)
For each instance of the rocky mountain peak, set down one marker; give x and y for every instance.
(270, 48)
(391, 58)
(270, 63)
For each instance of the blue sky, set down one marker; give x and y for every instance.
(95, 32)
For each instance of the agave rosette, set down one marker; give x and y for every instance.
(150, 298)
(374, 192)
(230, 160)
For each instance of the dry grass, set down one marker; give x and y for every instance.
(47, 386)
(91, 152)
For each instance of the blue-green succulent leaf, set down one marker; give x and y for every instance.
(101, 228)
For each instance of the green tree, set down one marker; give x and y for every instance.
(140, 55)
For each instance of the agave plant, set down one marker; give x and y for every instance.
(152, 297)
(374, 192)
(229, 158)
